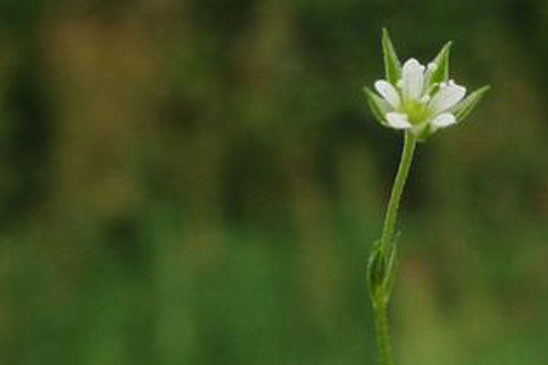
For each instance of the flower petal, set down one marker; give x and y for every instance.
(444, 120)
(398, 120)
(412, 79)
(448, 96)
(388, 92)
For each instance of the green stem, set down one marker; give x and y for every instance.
(381, 308)
(397, 190)
(383, 337)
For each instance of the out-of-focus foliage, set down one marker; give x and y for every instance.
(198, 182)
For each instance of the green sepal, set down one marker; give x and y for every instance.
(379, 106)
(423, 132)
(465, 107)
(392, 64)
(441, 72)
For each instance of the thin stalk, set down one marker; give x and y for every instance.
(383, 336)
(381, 308)
(397, 190)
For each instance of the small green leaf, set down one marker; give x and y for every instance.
(392, 64)
(392, 265)
(379, 107)
(376, 273)
(465, 107)
(381, 271)
(441, 72)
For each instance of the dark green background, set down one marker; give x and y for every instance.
(199, 182)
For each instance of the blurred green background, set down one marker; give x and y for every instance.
(198, 182)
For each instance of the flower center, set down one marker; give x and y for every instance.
(416, 111)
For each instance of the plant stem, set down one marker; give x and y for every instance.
(383, 337)
(387, 242)
(397, 190)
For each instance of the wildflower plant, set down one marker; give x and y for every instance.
(419, 100)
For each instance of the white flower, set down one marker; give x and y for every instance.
(419, 99)
(414, 103)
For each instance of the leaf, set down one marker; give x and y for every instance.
(392, 265)
(376, 273)
(392, 64)
(381, 271)
(465, 107)
(379, 107)
(441, 72)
